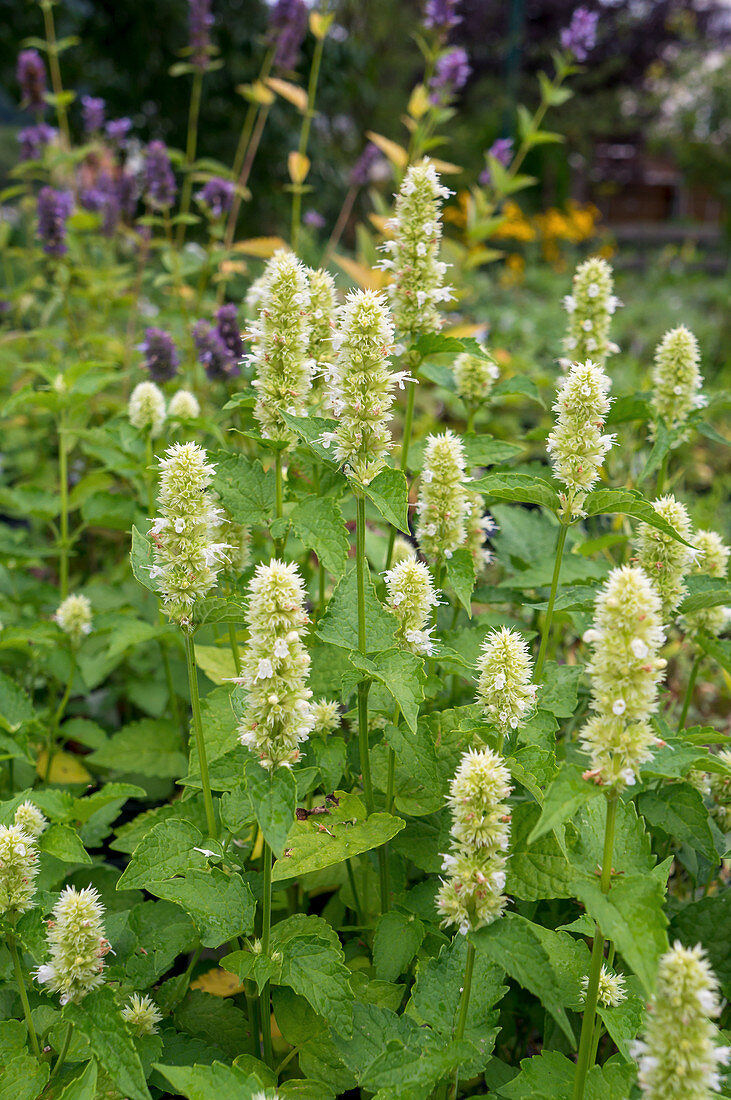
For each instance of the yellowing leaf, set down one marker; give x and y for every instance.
(262, 247)
(216, 662)
(320, 23)
(65, 768)
(234, 267)
(381, 223)
(446, 166)
(298, 165)
(291, 92)
(256, 93)
(395, 153)
(219, 983)
(366, 277)
(419, 102)
(467, 329)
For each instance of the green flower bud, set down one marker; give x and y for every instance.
(676, 378)
(146, 408)
(475, 377)
(74, 618)
(30, 819)
(590, 307)
(142, 1014)
(442, 506)
(577, 445)
(664, 559)
(184, 406)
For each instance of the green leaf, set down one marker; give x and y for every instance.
(82, 1087)
(151, 747)
(273, 795)
(15, 707)
(221, 906)
(704, 592)
(339, 624)
(632, 843)
(549, 964)
(167, 850)
(415, 750)
(246, 489)
(216, 662)
(567, 793)
(708, 922)
(559, 691)
(538, 869)
(319, 525)
(519, 385)
(632, 916)
(203, 1082)
(660, 448)
(22, 1078)
(100, 1020)
(401, 673)
(437, 343)
(313, 966)
(310, 430)
(64, 843)
(437, 993)
(397, 938)
(215, 1019)
(161, 931)
(624, 1021)
(349, 833)
(390, 494)
(633, 406)
(485, 450)
(461, 576)
(519, 487)
(679, 811)
(718, 648)
(142, 560)
(550, 1075)
(628, 502)
(254, 965)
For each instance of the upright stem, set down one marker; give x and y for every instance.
(404, 458)
(56, 720)
(563, 531)
(689, 690)
(63, 125)
(305, 136)
(234, 648)
(583, 1062)
(149, 482)
(266, 924)
(278, 498)
(198, 730)
(64, 491)
(242, 181)
(464, 1005)
(359, 912)
(190, 148)
(20, 980)
(364, 685)
(662, 474)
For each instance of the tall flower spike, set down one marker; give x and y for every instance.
(142, 1014)
(471, 894)
(480, 525)
(577, 445)
(277, 714)
(625, 669)
(678, 1056)
(411, 598)
(161, 355)
(146, 409)
(77, 945)
(413, 254)
(590, 307)
(187, 559)
(361, 386)
(30, 819)
(73, 616)
(664, 559)
(475, 377)
(18, 870)
(713, 555)
(160, 187)
(322, 317)
(281, 337)
(676, 377)
(504, 687)
(442, 506)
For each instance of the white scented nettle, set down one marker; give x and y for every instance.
(679, 1056)
(184, 405)
(625, 669)
(30, 819)
(577, 445)
(471, 894)
(665, 559)
(504, 687)
(322, 317)
(590, 307)
(475, 377)
(442, 506)
(479, 526)
(77, 945)
(280, 338)
(612, 989)
(418, 290)
(411, 597)
(676, 377)
(187, 558)
(712, 560)
(146, 409)
(275, 667)
(74, 617)
(361, 385)
(18, 870)
(142, 1015)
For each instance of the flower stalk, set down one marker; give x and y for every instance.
(23, 992)
(546, 632)
(198, 732)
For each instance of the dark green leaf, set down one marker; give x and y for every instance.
(221, 905)
(679, 811)
(461, 576)
(566, 794)
(99, 1019)
(273, 795)
(390, 494)
(519, 487)
(397, 938)
(401, 673)
(246, 489)
(339, 624)
(319, 525)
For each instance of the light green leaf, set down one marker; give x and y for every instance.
(519, 487)
(273, 795)
(703, 592)
(559, 691)
(401, 673)
(141, 560)
(390, 494)
(64, 843)
(538, 869)
(718, 648)
(221, 905)
(485, 450)
(310, 430)
(83, 1086)
(628, 502)
(567, 793)
(22, 1078)
(167, 850)
(397, 938)
(99, 1019)
(624, 1021)
(339, 624)
(203, 1082)
(313, 966)
(319, 525)
(461, 576)
(246, 489)
(151, 747)
(216, 662)
(518, 385)
(680, 812)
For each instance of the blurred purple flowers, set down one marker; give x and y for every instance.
(502, 151)
(104, 196)
(54, 208)
(227, 326)
(160, 186)
(360, 173)
(34, 139)
(314, 219)
(579, 38)
(287, 29)
(441, 15)
(451, 73)
(31, 74)
(200, 22)
(217, 194)
(117, 129)
(92, 113)
(161, 355)
(216, 358)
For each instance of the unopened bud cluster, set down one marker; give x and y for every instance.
(30, 819)
(590, 307)
(612, 990)
(474, 377)
(74, 617)
(676, 377)
(146, 408)
(142, 1014)
(442, 506)
(665, 559)
(325, 717)
(577, 445)
(625, 669)
(712, 560)
(184, 405)
(77, 945)
(18, 869)
(504, 688)
(277, 714)
(411, 597)
(471, 894)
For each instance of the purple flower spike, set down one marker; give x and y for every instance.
(31, 74)
(160, 186)
(441, 15)
(217, 194)
(92, 113)
(34, 139)
(314, 219)
(128, 192)
(227, 327)
(502, 151)
(451, 73)
(287, 29)
(117, 130)
(360, 173)
(200, 22)
(54, 208)
(217, 360)
(103, 197)
(579, 38)
(161, 355)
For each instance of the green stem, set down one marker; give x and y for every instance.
(63, 125)
(234, 648)
(198, 730)
(563, 531)
(12, 945)
(190, 148)
(364, 685)
(321, 580)
(359, 912)
(252, 1006)
(584, 1060)
(56, 720)
(266, 924)
(279, 498)
(662, 474)
(471, 418)
(63, 544)
(689, 691)
(305, 136)
(404, 457)
(63, 1051)
(464, 1005)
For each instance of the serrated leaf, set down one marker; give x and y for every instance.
(390, 494)
(83, 1086)
(518, 385)
(624, 1021)
(310, 430)
(559, 691)
(142, 561)
(313, 966)
(718, 648)
(273, 795)
(216, 662)
(461, 576)
(99, 1019)
(22, 1078)
(319, 525)
(167, 850)
(567, 793)
(339, 624)
(202, 1082)
(628, 502)
(519, 487)
(485, 450)
(680, 812)
(221, 906)
(246, 489)
(708, 922)
(704, 592)
(150, 746)
(401, 673)
(64, 843)
(397, 938)
(536, 869)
